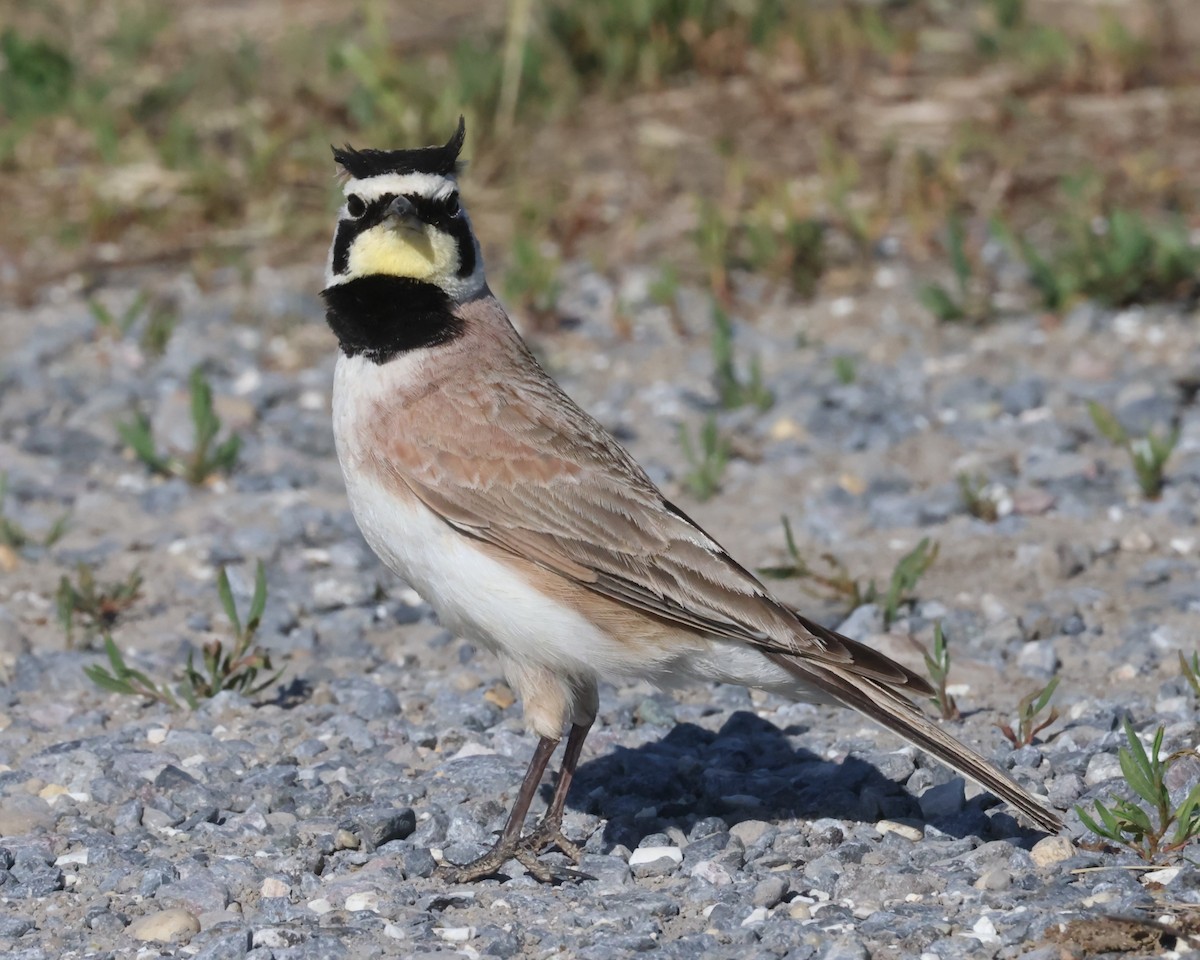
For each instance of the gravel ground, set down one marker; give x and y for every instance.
(716, 822)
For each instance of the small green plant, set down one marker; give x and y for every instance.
(14, 536)
(100, 604)
(974, 288)
(937, 663)
(114, 324)
(836, 584)
(907, 573)
(845, 369)
(36, 78)
(1148, 454)
(161, 319)
(1116, 257)
(795, 249)
(707, 459)
(1054, 285)
(714, 238)
(237, 669)
(978, 498)
(205, 458)
(839, 585)
(1149, 834)
(664, 289)
(124, 679)
(1028, 709)
(732, 390)
(804, 253)
(1191, 671)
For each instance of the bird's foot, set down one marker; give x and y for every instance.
(525, 851)
(550, 835)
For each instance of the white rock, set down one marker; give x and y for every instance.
(985, 930)
(273, 888)
(757, 915)
(75, 856)
(367, 900)
(650, 854)
(1102, 767)
(907, 831)
(712, 872)
(1051, 850)
(166, 926)
(275, 937)
(320, 905)
(1163, 876)
(456, 934)
(472, 750)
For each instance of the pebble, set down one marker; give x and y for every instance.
(994, 879)
(1051, 850)
(750, 832)
(165, 926)
(22, 814)
(363, 901)
(650, 854)
(905, 830)
(769, 892)
(1101, 768)
(943, 800)
(712, 872)
(655, 861)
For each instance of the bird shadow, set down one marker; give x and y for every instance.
(749, 770)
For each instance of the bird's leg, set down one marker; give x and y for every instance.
(549, 830)
(506, 847)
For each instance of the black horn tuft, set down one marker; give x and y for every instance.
(441, 160)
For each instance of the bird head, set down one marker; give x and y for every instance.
(402, 218)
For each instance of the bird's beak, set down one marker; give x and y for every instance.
(401, 209)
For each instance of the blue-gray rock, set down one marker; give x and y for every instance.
(12, 928)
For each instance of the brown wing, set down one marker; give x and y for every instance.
(518, 465)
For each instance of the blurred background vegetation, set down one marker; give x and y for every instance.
(803, 143)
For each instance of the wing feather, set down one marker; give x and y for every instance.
(533, 474)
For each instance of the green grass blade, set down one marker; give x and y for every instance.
(1107, 424)
(227, 603)
(259, 603)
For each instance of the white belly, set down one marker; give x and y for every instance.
(475, 596)
(488, 601)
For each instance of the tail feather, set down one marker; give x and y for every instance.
(868, 662)
(892, 710)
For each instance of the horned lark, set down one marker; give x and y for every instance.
(525, 524)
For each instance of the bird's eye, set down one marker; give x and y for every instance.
(452, 206)
(355, 206)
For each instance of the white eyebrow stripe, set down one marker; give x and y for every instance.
(432, 185)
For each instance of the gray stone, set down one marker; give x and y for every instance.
(944, 800)
(11, 928)
(379, 825)
(1101, 768)
(364, 698)
(232, 945)
(21, 814)
(769, 892)
(864, 622)
(1038, 659)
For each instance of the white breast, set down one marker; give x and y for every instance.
(486, 600)
(474, 595)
